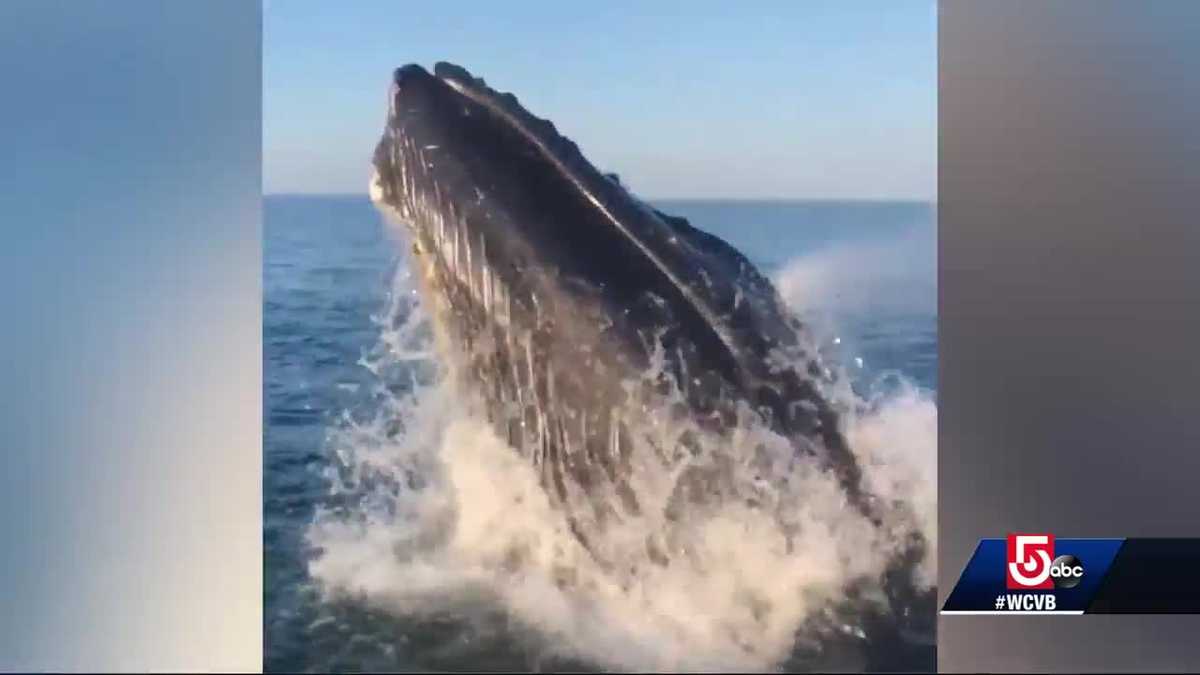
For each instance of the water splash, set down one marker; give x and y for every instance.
(430, 514)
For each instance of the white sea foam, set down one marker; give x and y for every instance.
(888, 273)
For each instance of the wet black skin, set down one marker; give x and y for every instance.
(597, 278)
(540, 230)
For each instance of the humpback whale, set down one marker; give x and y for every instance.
(554, 290)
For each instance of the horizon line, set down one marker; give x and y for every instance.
(912, 200)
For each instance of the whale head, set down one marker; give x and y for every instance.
(553, 287)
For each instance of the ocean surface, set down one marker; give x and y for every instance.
(863, 274)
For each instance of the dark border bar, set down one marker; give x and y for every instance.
(1151, 576)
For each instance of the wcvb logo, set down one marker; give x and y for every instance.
(1032, 565)
(1029, 559)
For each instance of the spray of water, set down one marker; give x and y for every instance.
(430, 513)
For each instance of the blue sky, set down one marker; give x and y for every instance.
(832, 100)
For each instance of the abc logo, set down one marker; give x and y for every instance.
(1066, 571)
(1033, 565)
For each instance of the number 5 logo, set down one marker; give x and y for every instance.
(1029, 559)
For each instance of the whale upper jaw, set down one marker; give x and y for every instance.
(473, 171)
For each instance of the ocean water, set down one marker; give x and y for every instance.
(862, 274)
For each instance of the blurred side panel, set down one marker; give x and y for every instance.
(130, 353)
(1069, 184)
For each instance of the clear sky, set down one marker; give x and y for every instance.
(786, 99)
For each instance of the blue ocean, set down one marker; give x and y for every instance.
(340, 591)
